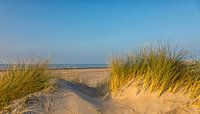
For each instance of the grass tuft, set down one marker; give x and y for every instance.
(21, 79)
(103, 87)
(78, 80)
(157, 69)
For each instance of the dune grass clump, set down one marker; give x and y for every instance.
(21, 79)
(78, 80)
(157, 69)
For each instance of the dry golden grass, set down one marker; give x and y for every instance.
(157, 69)
(22, 79)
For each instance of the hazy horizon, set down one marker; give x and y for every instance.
(88, 31)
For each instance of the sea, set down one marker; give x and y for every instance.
(65, 66)
(61, 66)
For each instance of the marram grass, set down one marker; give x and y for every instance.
(22, 79)
(157, 69)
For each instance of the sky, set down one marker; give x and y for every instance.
(89, 31)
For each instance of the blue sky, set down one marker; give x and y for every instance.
(88, 31)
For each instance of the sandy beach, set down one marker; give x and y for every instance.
(91, 75)
(70, 98)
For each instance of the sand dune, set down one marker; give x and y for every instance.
(74, 99)
(70, 98)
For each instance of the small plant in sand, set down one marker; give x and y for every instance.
(21, 79)
(78, 80)
(75, 77)
(157, 69)
(103, 87)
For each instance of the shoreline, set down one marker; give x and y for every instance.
(78, 68)
(75, 68)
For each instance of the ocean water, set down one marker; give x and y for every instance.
(61, 66)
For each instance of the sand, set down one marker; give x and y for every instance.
(70, 98)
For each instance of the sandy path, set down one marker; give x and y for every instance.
(75, 99)
(68, 100)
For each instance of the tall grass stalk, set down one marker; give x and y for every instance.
(157, 69)
(22, 79)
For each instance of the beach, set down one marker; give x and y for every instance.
(68, 97)
(99, 57)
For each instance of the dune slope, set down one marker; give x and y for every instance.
(70, 98)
